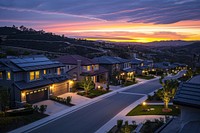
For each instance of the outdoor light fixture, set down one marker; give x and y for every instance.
(144, 103)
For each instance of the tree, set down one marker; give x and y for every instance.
(4, 98)
(87, 84)
(167, 92)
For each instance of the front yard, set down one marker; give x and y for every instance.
(153, 110)
(8, 123)
(93, 93)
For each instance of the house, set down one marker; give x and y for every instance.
(142, 67)
(31, 79)
(188, 99)
(117, 67)
(80, 67)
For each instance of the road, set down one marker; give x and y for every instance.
(90, 118)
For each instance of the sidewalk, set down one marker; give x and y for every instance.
(65, 112)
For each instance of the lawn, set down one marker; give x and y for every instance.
(145, 77)
(127, 83)
(139, 110)
(11, 123)
(93, 93)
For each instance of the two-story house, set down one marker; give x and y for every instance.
(80, 67)
(32, 79)
(118, 67)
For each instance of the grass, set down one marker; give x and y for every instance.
(11, 123)
(145, 77)
(129, 83)
(157, 110)
(93, 93)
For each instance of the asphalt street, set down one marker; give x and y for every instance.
(90, 118)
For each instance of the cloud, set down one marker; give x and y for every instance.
(146, 11)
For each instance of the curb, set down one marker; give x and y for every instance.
(30, 127)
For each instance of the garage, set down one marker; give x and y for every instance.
(60, 88)
(37, 96)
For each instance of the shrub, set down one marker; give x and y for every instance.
(27, 105)
(68, 100)
(119, 123)
(36, 108)
(43, 108)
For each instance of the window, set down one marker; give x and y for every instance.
(58, 71)
(8, 76)
(37, 74)
(1, 75)
(45, 72)
(88, 68)
(34, 75)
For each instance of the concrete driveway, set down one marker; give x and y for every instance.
(76, 99)
(52, 106)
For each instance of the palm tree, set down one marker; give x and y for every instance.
(168, 92)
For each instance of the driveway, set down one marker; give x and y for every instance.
(52, 106)
(76, 99)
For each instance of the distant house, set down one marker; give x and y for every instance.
(80, 67)
(118, 67)
(33, 78)
(188, 98)
(142, 67)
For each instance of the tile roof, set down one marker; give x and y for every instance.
(72, 60)
(188, 93)
(22, 85)
(110, 60)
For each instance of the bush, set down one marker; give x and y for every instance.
(43, 108)
(150, 98)
(68, 100)
(36, 108)
(119, 123)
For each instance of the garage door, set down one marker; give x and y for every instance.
(37, 97)
(60, 88)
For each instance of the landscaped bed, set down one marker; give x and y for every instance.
(147, 77)
(93, 93)
(153, 110)
(8, 123)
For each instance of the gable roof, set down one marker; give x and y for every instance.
(73, 60)
(29, 63)
(34, 62)
(188, 93)
(110, 60)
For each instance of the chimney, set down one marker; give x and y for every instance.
(79, 69)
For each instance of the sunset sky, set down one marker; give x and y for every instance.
(110, 20)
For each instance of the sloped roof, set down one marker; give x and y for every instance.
(22, 85)
(188, 93)
(136, 61)
(73, 60)
(110, 60)
(34, 62)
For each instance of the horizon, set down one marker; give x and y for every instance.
(119, 21)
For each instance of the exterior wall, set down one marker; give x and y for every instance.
(189, 114)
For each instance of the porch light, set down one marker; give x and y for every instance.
(71, 82)
(23, 94)
(144, 103)
(99, 87)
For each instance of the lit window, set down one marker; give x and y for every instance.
(8, 76)
(58, 71)
(37, 74)
(32, 75)
(88, 68)
(1, 75)
(45, 72)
